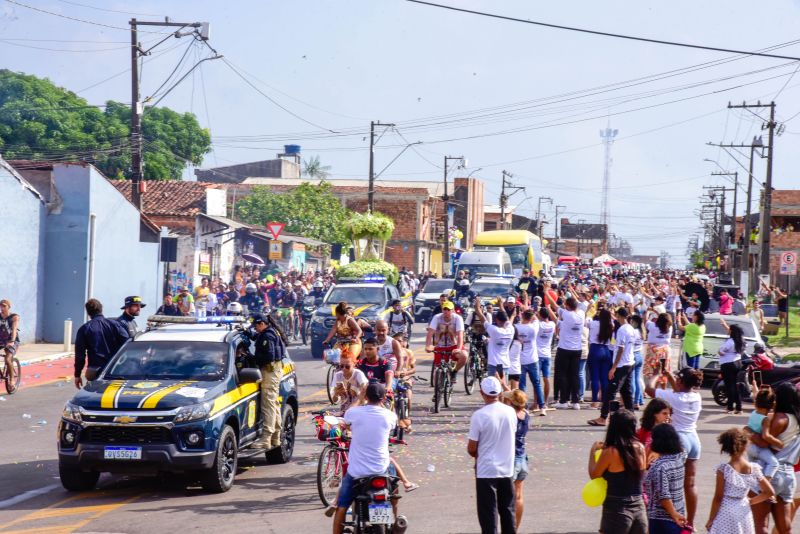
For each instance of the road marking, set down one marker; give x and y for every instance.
(56, 511)
(30, 494)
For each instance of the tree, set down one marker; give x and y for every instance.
(309, 210)
(41, 121)
(313, 168)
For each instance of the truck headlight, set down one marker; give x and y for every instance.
(72, 413)
(193, 412)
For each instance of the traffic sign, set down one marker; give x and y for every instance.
(275, 228)
(789, 263)
(275, 250)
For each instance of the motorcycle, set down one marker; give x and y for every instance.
(310, 305)
(769, 377)
(372, 511)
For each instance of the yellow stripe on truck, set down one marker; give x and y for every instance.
(153, 400)
(361, 309)
(233, 396)
(107, 400)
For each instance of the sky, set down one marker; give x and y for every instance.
(507, 96)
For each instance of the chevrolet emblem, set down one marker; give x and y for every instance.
(125, 419)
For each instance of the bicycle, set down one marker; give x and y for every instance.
(333, 460)
(442, 377)
(11, 388)
(402, 406)
(475, 370)
(333, 358)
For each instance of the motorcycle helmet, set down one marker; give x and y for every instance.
(250, 288)
(234, 308)
(318, 284)
(463, 282)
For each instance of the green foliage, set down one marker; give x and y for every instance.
(41, 121)
(309, 210)
(361, 268)
(696, 260)
(370, 225)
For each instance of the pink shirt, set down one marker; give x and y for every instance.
(725, 304)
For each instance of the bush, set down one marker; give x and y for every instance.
(362, 268)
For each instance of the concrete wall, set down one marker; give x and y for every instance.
(22, 216)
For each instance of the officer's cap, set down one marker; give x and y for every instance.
(129, 301)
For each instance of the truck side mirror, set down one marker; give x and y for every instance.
(91, 373)
(248, 375)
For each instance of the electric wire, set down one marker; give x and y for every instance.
(75, 19)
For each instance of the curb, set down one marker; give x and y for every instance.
(45, 358)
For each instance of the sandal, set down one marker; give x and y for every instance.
(410, 487)
(594, 422)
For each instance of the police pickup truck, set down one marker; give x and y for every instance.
(181, 397)
(371, 298)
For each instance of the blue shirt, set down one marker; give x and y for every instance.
(98, 340)
(519, 436)
(755, 421)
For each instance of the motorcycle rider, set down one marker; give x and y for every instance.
(252, 299)
(399, 319)
(131, 309)
(318, 292)
(370, 426)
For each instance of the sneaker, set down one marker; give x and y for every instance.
(575, 406)
(543, 412)
(561, 406)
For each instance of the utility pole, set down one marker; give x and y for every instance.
(446, 215)
(371, 187)
(608, 135)
(555, 230)
(766, 230)
(504, 197)
(539, 213)
(200, 31)
(731, 239)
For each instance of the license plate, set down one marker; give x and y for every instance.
(381, 514)
(122, 453)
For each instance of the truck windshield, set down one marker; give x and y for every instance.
(479, 268)
(170, 360)
(437, 286)
(491, 289)
(357, 295)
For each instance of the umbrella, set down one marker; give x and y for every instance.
(693, 287)
(253, 258)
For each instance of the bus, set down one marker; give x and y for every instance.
(525, 248)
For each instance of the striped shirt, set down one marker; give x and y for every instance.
(664, 480)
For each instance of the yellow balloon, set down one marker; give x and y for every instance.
(597, 455)
(594, 492)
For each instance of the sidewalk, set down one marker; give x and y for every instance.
(30, 353)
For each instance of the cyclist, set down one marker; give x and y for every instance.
(399, 319)
(375, 368)
(409, 369)
(389, 347)
(9, 338)
(288, 303)
(351, 384)
(252, 299)
(346, 330)
(446, 330)
(439, 308)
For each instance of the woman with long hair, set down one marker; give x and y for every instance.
(601, 330)
(659, 332)
(657, 412)
(621, 463)
(730, 363)
(346, 331)
(638, 361)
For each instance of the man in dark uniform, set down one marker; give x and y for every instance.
(269, 351)
(133, 305)
(97, 340)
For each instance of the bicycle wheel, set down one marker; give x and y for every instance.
(438, 388)
(13, 386)
(305, 330)
(329, 475)
(329, 385)
(297, 326)
(448, 388)
(400, 410)
(433, 372)
(469, 374)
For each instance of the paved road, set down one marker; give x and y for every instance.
(283, 498)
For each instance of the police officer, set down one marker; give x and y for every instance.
(133, 305)
(97, 340)
(269, 351)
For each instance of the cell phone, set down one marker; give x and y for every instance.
(757, 377)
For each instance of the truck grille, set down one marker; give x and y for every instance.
(126, 434)
(329, 322)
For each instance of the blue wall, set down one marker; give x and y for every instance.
(22, 216)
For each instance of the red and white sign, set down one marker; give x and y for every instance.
(789, 263)
(275, 228)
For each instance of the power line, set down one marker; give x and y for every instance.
(604, 34)
(85, 50)
(75, 19)
(111, 10)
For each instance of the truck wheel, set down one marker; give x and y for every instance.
(219, 478)
(282, 454)
(73, 479)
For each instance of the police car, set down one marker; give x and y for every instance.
(182, 397)
(371, 298)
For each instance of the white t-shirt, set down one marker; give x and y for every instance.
(686, 408)
(728, 352)
(594, 332)
(446, 332)
(527, 334)
(499, 344)
(637, 340)
(544, 340)
(369, 446)
(625, 339)
(623, 298)
(352, 386)
(570, 330)
(583, 306)
(515, 367)
(655, 337)
(494, 427)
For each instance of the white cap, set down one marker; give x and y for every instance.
(491, 386)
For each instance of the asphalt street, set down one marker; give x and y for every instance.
(283, 499)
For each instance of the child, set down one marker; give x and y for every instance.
(666, 508)
(760, 418)
(518, 400)
(730, 509)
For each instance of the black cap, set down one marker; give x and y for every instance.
(129, 301)
(375, 392)
(258, 318)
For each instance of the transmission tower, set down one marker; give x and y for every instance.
(608, 136)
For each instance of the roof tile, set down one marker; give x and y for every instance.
(170, 198)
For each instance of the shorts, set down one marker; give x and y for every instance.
(624, 514)
(498, 370)
(514, 377)
(784, 482)
(11, 348)
(544, 365)
(691, 444)
(347, 489)
(520, 468)
(443, 353)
